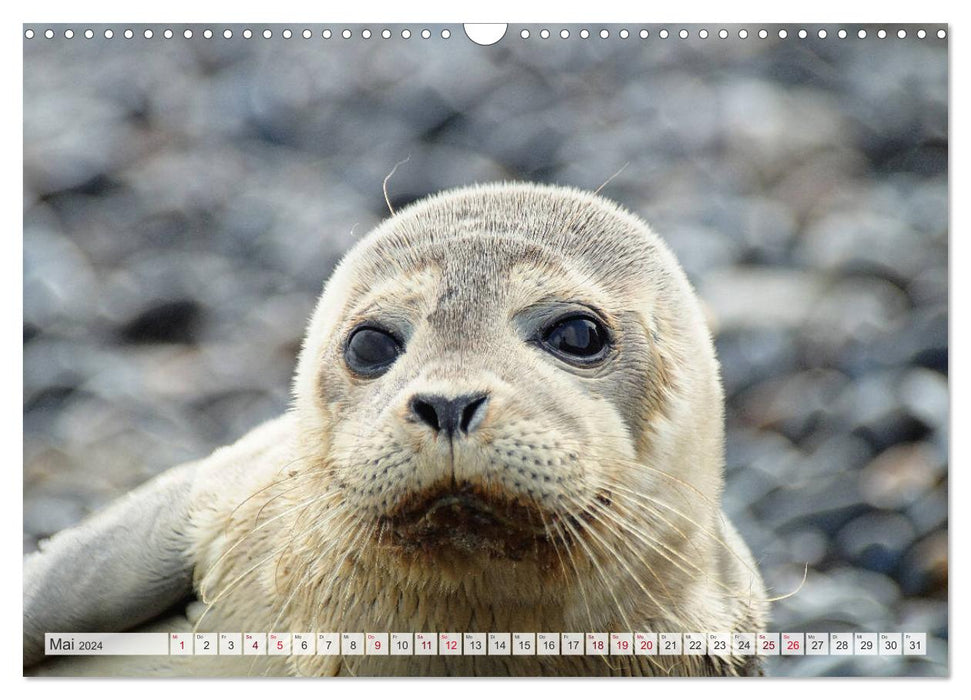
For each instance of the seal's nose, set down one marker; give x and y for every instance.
(449, 415)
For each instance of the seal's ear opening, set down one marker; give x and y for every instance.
(118, 569)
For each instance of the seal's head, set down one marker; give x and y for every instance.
(510, 391)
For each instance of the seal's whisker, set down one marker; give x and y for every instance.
(384, 184)
(225, 590)
(229, 550)
(298, 586)
(652, 501)
(605, 580)
(324, 521)
(621, 503)
(551, 537)
(280, 494)
(593, 510)
(672, 556)
(579, 579)
(611, 547)
(290, 475)
(626, 466)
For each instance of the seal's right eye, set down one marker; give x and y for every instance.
(371, 351)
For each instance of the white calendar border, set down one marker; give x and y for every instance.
(495, 10)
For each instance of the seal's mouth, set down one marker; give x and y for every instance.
(466, 519)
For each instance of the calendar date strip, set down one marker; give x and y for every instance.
(487, 644)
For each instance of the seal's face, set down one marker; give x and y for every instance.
(492, 373)
(477, 387)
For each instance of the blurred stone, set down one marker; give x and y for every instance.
(932, 666)
(281, 321)
(47, 515)
(826, 502)
(867, 399)
(188, 180)
(70, 138)
(862, 240)
(812, 185)
(701, 249)
(869, 406)
(748, 487)
(174, 321)
(429, 170)
(830, 452)
(921, 341)
(230, 415)
(841, 599)
(744, 446)
(679, 119)
(929, 513)
(925, 204)
(51, 364)
(59, 285)
(876, 541)
(900, 475)
(760, 296)
(278, 97)
(924, 571)
(925, 394)
(893, 428)
(807, 546)
(794, 404)
(857, 310)
(768, 228)
(923, 615)
(750, 355)
(759, 118)
(191, 288)
(44, 463)
(929, 287)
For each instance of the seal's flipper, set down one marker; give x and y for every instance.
(127, 564)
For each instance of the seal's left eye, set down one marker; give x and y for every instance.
(578, 339)
(371, 351)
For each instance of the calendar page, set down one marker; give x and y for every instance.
(485, 350)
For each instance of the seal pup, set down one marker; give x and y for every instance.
(507, 417)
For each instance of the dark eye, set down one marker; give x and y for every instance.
(577, 339)
(371, 351)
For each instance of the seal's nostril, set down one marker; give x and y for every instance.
(473, 413)
(462, 413)
(426, 412)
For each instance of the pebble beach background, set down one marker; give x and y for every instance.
(185, 200)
